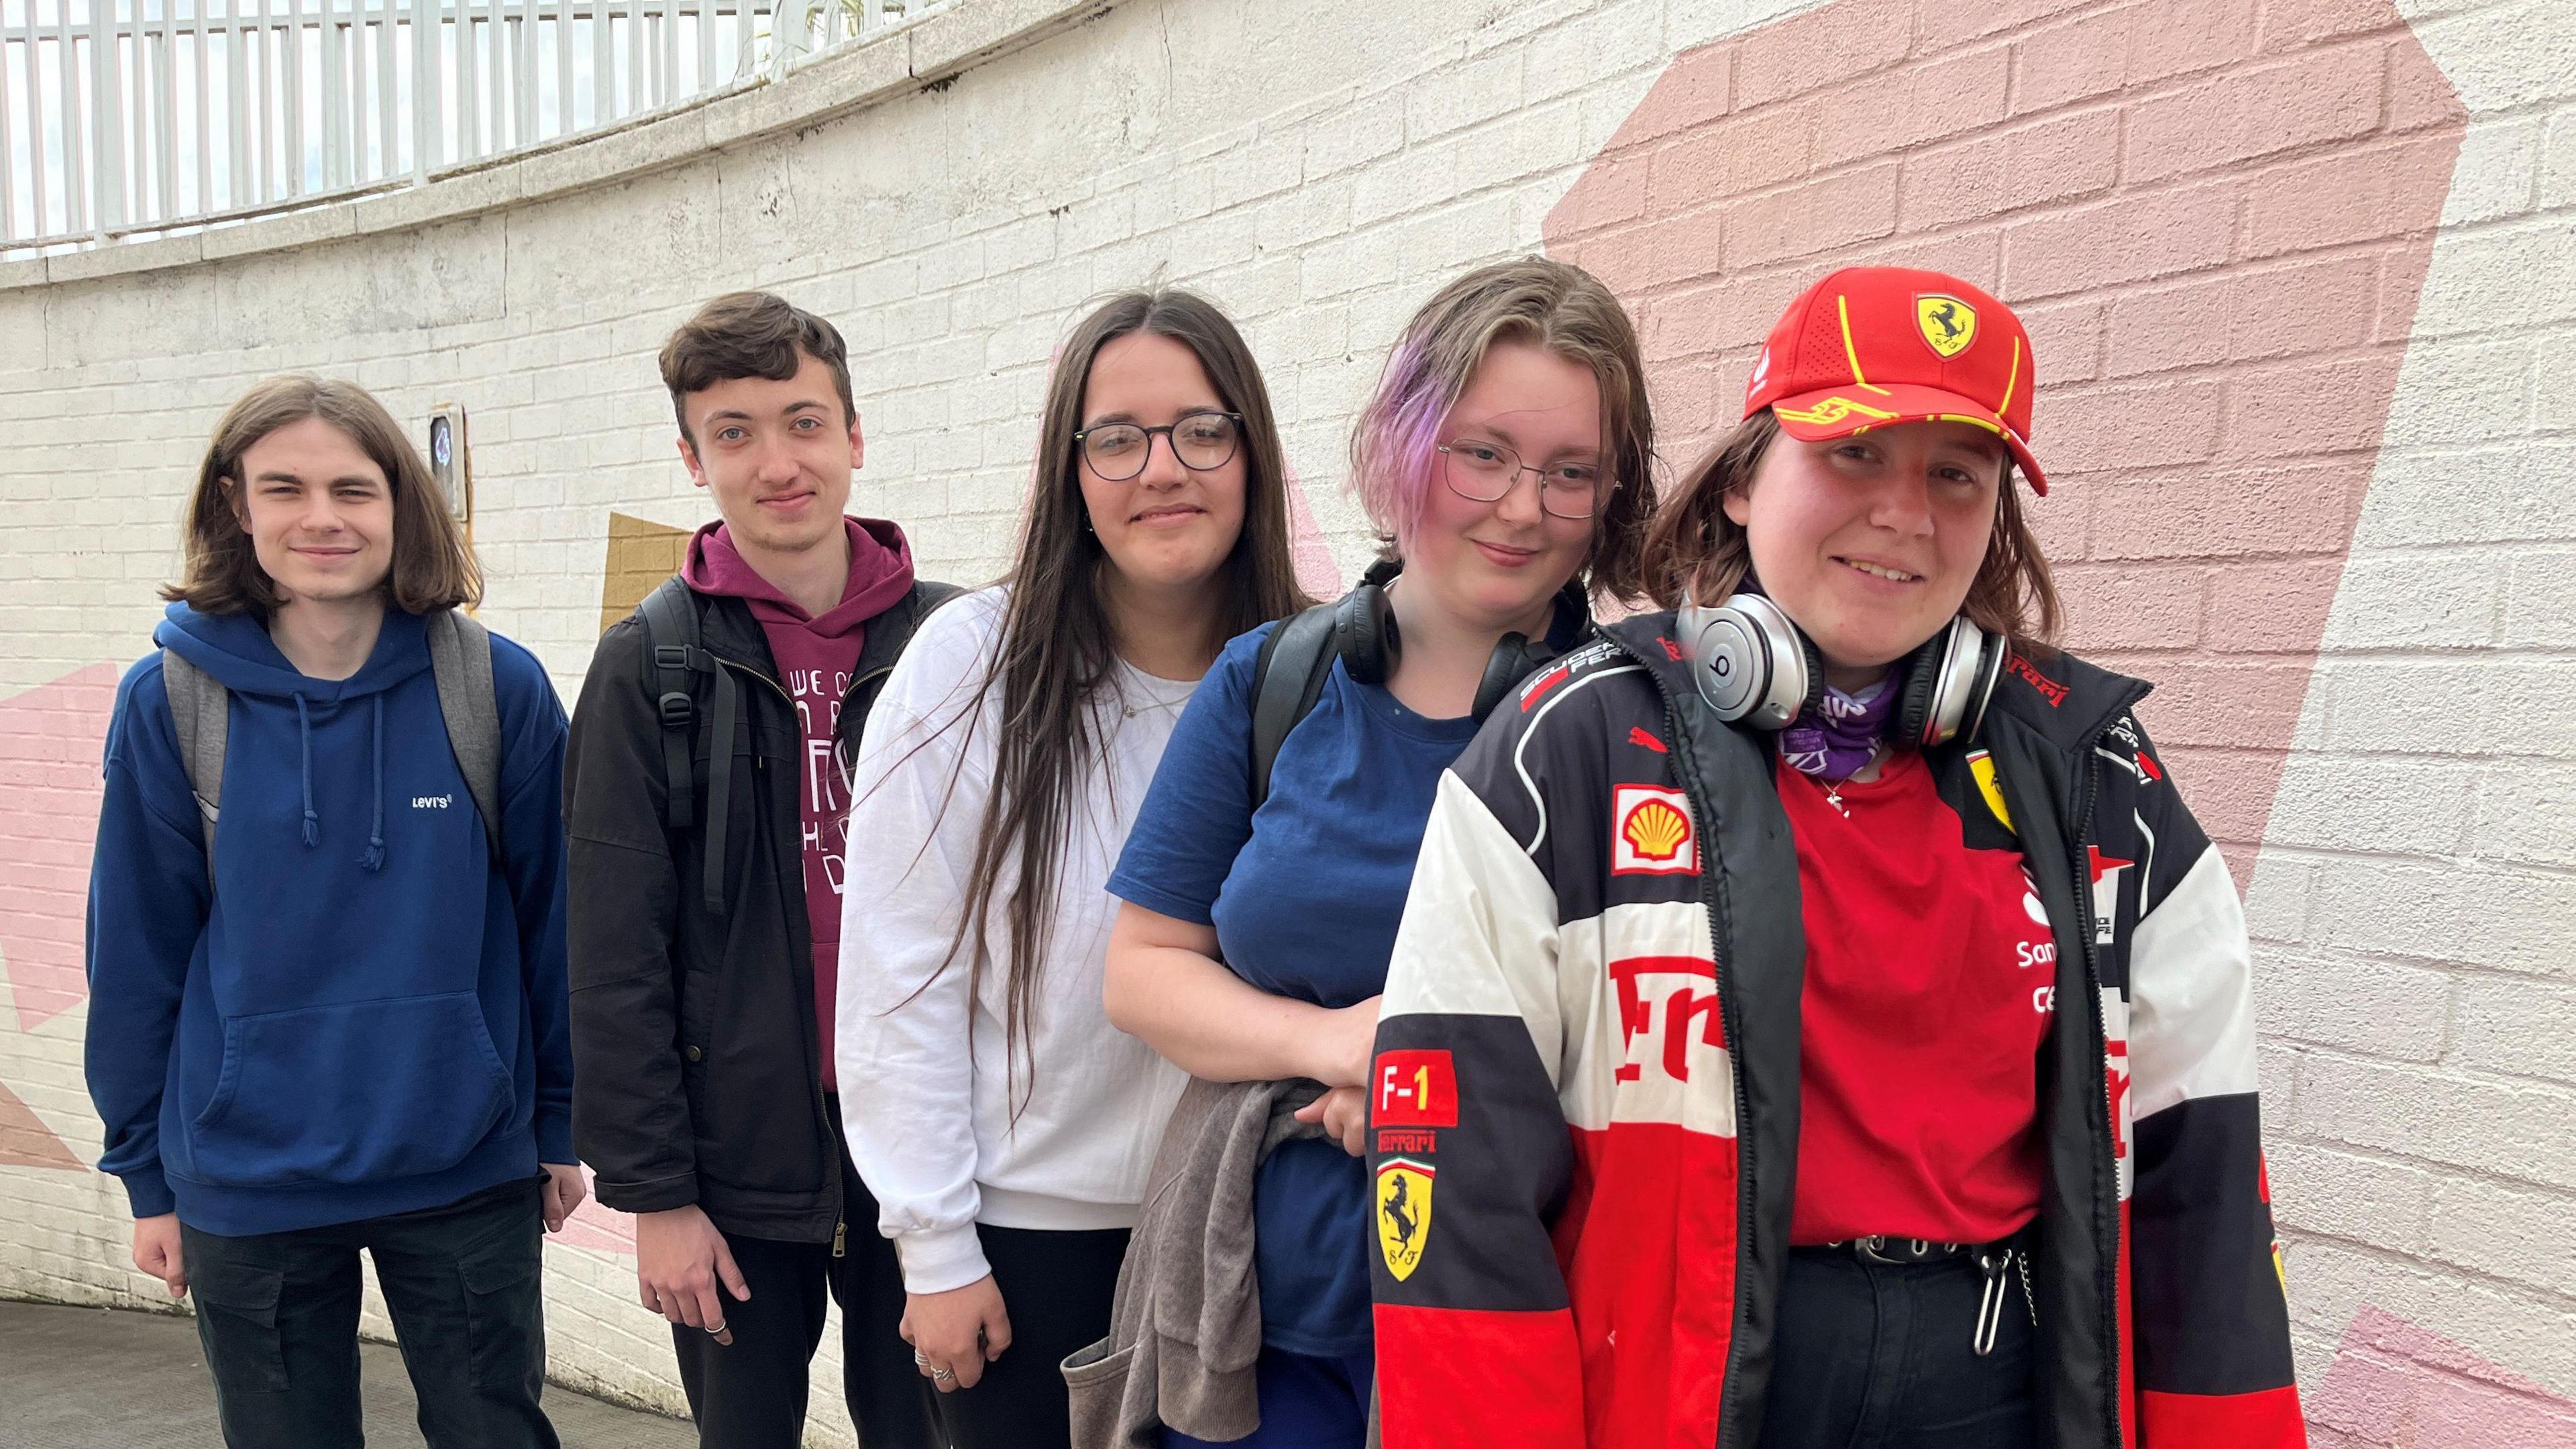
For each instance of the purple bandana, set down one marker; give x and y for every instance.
(1838, 736)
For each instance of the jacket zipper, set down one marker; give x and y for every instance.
(840, 1237)
(738, 666)
(1728, 1006)
(849, 763)
(822, 1110)
(2106, 1279)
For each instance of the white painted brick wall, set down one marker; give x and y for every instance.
(1319, 169)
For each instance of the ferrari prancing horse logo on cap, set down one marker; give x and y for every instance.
(1947, 323)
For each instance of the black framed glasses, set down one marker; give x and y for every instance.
(1487, 471)
(1203, 441)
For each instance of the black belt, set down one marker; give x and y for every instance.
(1996, 1262)
(1879, 1249)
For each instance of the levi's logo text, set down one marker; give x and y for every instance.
(1404, 1213)
(1650, 832)
(1415, 1089)
(432, 802)
(1948, 324)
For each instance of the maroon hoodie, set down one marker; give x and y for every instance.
(816, 657)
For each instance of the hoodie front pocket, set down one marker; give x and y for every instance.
(359, 1092)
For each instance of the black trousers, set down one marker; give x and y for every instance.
(278, 1317)
(1881, 1356)
(751, 1393)
(1056, 1286)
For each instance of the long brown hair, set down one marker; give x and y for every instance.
(1058, 648)
(1694, 544)
(433, 567)
(1555, 306)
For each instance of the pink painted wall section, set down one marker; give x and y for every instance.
(25, 1141)
(2395, 1386)
(1317, 574)
(593, 1226)
(51, 739)
(2215, 219)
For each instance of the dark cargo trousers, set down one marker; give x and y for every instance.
(278, 1316)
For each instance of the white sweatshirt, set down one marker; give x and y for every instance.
(929, 1120)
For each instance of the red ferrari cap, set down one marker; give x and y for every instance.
(1869, 347)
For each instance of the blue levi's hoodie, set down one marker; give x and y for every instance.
(370, 1014)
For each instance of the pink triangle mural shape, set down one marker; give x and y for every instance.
(50, 743)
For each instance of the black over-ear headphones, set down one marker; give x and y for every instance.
(1369, 642)
(1755, 666)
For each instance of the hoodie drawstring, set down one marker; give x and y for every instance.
(374, 859)
(312, 822)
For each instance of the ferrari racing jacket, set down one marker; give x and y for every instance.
(1584, 1104)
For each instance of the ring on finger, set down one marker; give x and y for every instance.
(942, 1375)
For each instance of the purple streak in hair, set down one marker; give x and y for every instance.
(1405, 443)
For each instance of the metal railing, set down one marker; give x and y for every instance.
(122, 117)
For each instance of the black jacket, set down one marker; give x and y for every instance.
(697, 1069)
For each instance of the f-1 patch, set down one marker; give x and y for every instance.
(1403, 1213)
(1415, 1088)
(1650, 832)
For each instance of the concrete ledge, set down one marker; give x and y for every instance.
(273, 233)
(884, 66)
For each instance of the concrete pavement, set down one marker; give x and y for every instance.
(96, 1378)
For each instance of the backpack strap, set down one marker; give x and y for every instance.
(460, 661)
(671, 651)
(674, 651)
(1288, 677)
(201, 713)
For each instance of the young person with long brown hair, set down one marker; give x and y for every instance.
(1504, 457)
(1004, 1126)
(1818, 1021)
(326, 940)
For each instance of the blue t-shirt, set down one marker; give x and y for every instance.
(1305, 894)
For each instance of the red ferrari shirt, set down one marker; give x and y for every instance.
(1929, 974)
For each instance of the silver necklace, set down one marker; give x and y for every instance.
(1834, 788)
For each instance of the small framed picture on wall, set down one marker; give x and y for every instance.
(448, 459)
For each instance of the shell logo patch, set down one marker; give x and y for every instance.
(1650, 832)
(1948, 325)
(1403, 1213)
(1981, 766)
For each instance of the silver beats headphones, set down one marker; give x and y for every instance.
(1756, 667)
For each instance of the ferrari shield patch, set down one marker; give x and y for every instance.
(1981, 766)
(1403, 1213)
(1948, 324)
